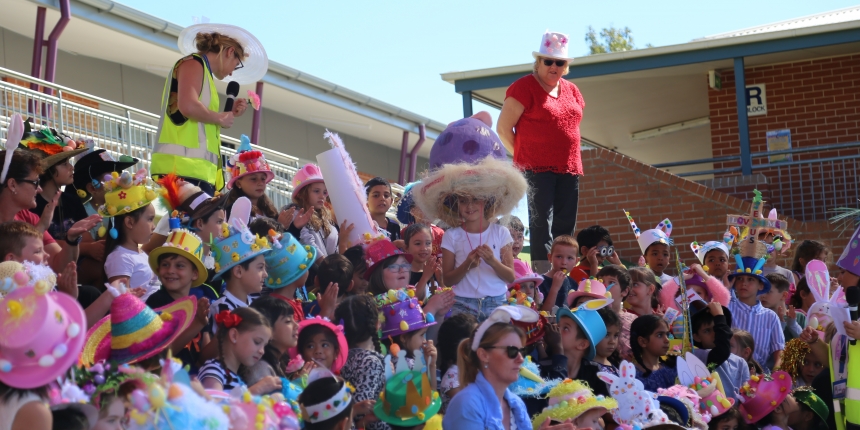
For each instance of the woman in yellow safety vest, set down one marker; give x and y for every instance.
(189, 142)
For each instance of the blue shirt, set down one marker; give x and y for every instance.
(477, 407)
(734, 372)
(763, 325)
(561, 298)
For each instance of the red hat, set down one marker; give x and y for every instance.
(377, 252)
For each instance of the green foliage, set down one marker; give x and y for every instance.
(610, 40)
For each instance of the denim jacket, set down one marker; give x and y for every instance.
(477, 407)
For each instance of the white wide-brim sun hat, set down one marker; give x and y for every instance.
(256, 63)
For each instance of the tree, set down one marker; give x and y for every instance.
(610, 40)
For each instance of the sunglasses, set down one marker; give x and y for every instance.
(559, 63)
(512, 351)
(394, 268)
(35, 183)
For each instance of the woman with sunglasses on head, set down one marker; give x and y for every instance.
(539, 125)
(488, 362)
(189, 136)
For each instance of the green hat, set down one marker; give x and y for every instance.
(807, 397)
(407, 400)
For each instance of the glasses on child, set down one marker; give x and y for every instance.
(394, 268)
(512, 351)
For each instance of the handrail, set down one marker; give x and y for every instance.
(804, 149)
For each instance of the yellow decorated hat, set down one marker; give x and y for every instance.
(187, 244)
(125, 193)
(570, 399)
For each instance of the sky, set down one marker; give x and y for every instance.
(395, 51)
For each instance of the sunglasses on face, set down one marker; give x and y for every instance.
(559, 63)
(394, 268)
(35, 183)
(512, 351)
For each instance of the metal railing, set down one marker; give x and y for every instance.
(803, 189)
(120, 129)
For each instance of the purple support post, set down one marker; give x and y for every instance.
(38, 41)
(413, 162)
(255, 126)
(51, 61)
(404, 150)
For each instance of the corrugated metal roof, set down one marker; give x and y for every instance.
(833, 17)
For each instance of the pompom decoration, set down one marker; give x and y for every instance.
(254, 100)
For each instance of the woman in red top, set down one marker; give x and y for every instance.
(539, 124)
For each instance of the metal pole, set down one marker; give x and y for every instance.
(467, 104)
(743, 121)
(255, 127)
(404, 151)
(61, 122)
(413, 156)
(38, 41)
(51, 61)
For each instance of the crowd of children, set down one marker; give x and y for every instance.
(231, 314)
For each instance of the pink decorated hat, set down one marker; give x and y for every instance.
(247, 161)
(41, 335)
(308, 174)
(713, 286)
(591, 287)
(521, 268)
(400, 312)
(762, 394)
(376, 252)
(708, 386)
(133, 332)
(343, 348)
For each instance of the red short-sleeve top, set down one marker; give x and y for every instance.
(547, 133)
(33, 219)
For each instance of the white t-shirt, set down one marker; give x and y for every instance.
(482, 281)
(135, 265)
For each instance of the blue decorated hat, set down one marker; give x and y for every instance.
(750, 266)
(529, 383)
(288, 261)
(589, 321)
(404, 208)
(237, 244)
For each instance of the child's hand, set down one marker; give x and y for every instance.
(83, 226)
(852, 328)
(809, 335)
(791, 313)
(365, 408)
(697, 268)
(540, 346)
(429, 353)
(438, 272)
(328, 300)
(343, 236)
(660, 311)
(268, 384)
(428, 269)
(400, 244)
(202, 315)
(138, 291)
(614, 259)
(566, 425)
(440, 303)
(557, 280)
(715, 308)
(301, 218)
(472, 260)
(592, 256)
(486, 254)
(780, 312)
(304, 371)
(286, 217)
(67, 282)
(552, 337)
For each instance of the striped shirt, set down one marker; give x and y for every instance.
(213, 368)
(227, 302)
(763, 324)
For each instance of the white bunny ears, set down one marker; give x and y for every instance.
(13, 136)
(827, 307)
(504, 314)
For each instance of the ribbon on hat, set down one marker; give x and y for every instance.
(504, 314)
(228, 319)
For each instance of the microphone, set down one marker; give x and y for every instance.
(232, 92)
(852, 296)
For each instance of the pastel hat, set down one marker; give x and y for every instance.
(553, 45)
(309, 174)
(404, 206)
(343, 348)
(169, 406)
(659, 234)
(125, 193)
(400, 312)
(377, 251)
(750, 266)
(523, 273)
(496, 182)
(70, 396)
(850, 258)
(570, 399)
(407, 400)
(237, 244)
(591, 287)
(468, 140)
(185, 243)
(703, 250)
(762, 394)
(106, 378)
(503, 315)
(288, 260)
(132, 331)
(246, 161)
(589, 321)
(41, 334)
(52, 146)
(256, 62)
(530, 383)
(708, 386)
(636, 407)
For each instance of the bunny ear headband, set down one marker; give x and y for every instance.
(13, 136)
(504, 314)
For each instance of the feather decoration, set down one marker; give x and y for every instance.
(254, 100)
(13, 134)
(170, 190)
(352, 174)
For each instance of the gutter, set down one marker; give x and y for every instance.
(165, 33)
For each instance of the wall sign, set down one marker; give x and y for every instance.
(756, 100)
(779, 140)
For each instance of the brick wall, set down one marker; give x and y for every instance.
(819, 101)
(614, 182)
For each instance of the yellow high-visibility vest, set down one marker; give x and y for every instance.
(192, 149)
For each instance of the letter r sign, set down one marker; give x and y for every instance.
(756, 100)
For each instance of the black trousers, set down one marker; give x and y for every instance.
(554, 201)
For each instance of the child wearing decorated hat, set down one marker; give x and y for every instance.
(714, 258)
(575, 401)
(654, 244)
(314, 219)
(409, 399)
(769, 403)
(595, 247)
(248, 173)
(128, 201)
(581, 330)
(799, 361)
(41, 335)
(747, 311)
(108, 387)
(404, 325)
(327, 404)
(322, 342)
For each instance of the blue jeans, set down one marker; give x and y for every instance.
(480, 308)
